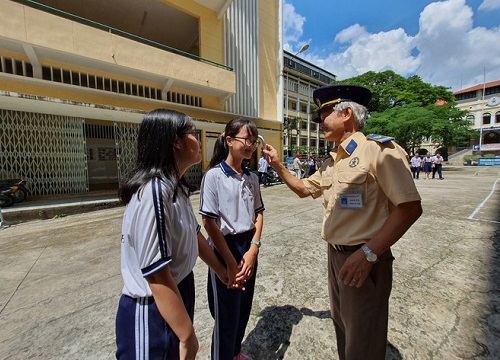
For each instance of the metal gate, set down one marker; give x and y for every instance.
(126, 152)
(47, 150)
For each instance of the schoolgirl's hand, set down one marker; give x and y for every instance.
(239, 284)
(232, 270)
(222, 275)
(247, 265)
(188, 348)
(239, 281)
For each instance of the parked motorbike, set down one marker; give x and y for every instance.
(17, 187)
(6, 198)
(272, 177)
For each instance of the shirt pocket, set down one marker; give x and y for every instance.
(352, 182)
(327, 189)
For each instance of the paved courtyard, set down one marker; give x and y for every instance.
(60, 280)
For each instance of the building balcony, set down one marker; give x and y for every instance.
(67, 51)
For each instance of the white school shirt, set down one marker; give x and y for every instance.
(230, 198)
(438, 159)
(416, 161)
(157, 232)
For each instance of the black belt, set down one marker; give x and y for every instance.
(346, 248)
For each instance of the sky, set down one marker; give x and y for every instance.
(451, 43)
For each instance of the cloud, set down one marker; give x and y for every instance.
(489, 5)
(452, 50)
(389, 50)
(293, 27)
(447, 50)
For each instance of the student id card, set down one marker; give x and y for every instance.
(351, 201)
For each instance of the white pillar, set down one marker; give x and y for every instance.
(308, 119)
(297, 111)
(286, 130)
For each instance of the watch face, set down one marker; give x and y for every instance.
(371, 257)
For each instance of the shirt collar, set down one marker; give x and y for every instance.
(229, 171)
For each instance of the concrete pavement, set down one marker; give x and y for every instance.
(60, 280)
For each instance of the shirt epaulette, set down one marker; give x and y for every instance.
(379, 138)
(351, 146)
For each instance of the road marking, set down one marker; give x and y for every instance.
(471, 216)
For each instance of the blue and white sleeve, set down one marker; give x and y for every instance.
(209, 197)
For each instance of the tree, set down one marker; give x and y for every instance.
(408, 125)
(411, 110)
(456, 131)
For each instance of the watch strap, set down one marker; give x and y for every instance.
(256, 243)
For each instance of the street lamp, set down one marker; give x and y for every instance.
(302, 49)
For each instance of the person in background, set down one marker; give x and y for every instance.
(437, 165)
(416, 163)
(160, 243)
(312, 166)
(232, 211)
(427, 163)
(263, 166)
(297, 166)
(369, 202)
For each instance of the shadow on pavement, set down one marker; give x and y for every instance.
(490, 332)
(392, 353)
(271, 337)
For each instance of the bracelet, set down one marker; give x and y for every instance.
(256, 243)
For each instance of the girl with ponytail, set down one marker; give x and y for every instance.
(232, 211)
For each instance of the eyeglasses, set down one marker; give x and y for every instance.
(248, 141)
(190, 132)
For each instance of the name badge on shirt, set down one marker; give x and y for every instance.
(351, 201)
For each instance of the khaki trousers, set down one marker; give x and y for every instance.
(360, 315)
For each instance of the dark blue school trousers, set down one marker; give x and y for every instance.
(141, 331)
(230, 308)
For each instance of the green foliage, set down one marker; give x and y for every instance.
(301, 149)
(292, 122)
(391, 90)
(468, 158)
(407, 110)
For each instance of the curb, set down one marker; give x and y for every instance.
(21, 215)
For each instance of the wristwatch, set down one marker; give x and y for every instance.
(256, 243)
(370, 255)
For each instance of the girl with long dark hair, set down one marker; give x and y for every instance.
(160, 243)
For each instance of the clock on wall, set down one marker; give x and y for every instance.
(495, 100)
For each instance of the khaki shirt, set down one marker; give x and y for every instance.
(361, 184)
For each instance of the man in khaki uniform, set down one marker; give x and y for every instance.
(369, 201)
